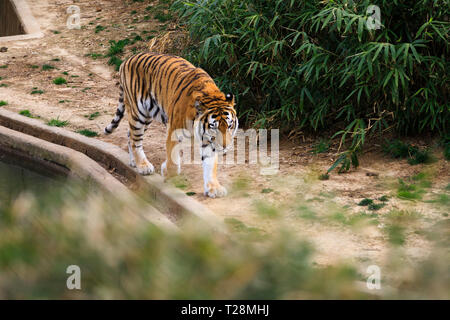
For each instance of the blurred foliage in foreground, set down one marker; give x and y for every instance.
(315, 65)
(122, 258)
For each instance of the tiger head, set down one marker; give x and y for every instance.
(217, 122)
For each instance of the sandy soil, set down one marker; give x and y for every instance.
(324, 212)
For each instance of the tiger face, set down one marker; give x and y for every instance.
(218, 123)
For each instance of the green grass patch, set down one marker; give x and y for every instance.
(59, 81)
(117, 47)
(365, 202)
(99, 28)
(401, 150)
(57, 123)
(37, 92)
(240, 227)
(92, 116)
(324, 177)
(442, 199)
(321, 147)
(3, 85)
(375, 206)
(94, 55)
(88, 133)
(163, 17)
(410, 191)
(179, 182)
(3, 103)
(305, 212)
(47, 67)
(26, 113)
(395, 235)
(402, 217)
(267, 190)
(5, 66)
(266, 210)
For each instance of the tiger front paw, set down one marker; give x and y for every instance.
(215, 191)
(145, 168)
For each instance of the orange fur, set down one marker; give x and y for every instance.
(173, 91)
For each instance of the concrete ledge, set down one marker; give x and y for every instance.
(167, 199)
(29, 23)
(80, 166)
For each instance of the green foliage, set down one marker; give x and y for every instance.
(375, 206)
(321, 146)
(26, 113)
(324, 176)
(314, 64)
(446, 144)
(88, 133)
(37, 92)
(116, 47)
(47, 67)
(162, 17)
(411, 191)
(92, 116)
(94, 55)
(421, 156)
(59, 81)
(3, 103)
(396, 235)
(401, 150)
(99, 28)
(365, 202)
(43, 235)
(57, 123)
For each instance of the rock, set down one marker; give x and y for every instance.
(3, 49)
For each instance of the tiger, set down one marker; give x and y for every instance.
(169, 89)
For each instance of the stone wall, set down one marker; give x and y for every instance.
(10, 24)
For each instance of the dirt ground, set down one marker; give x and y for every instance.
(324, 212)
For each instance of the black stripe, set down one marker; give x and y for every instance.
(134, 128)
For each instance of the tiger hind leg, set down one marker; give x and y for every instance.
(130, 149)
(138, 158)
